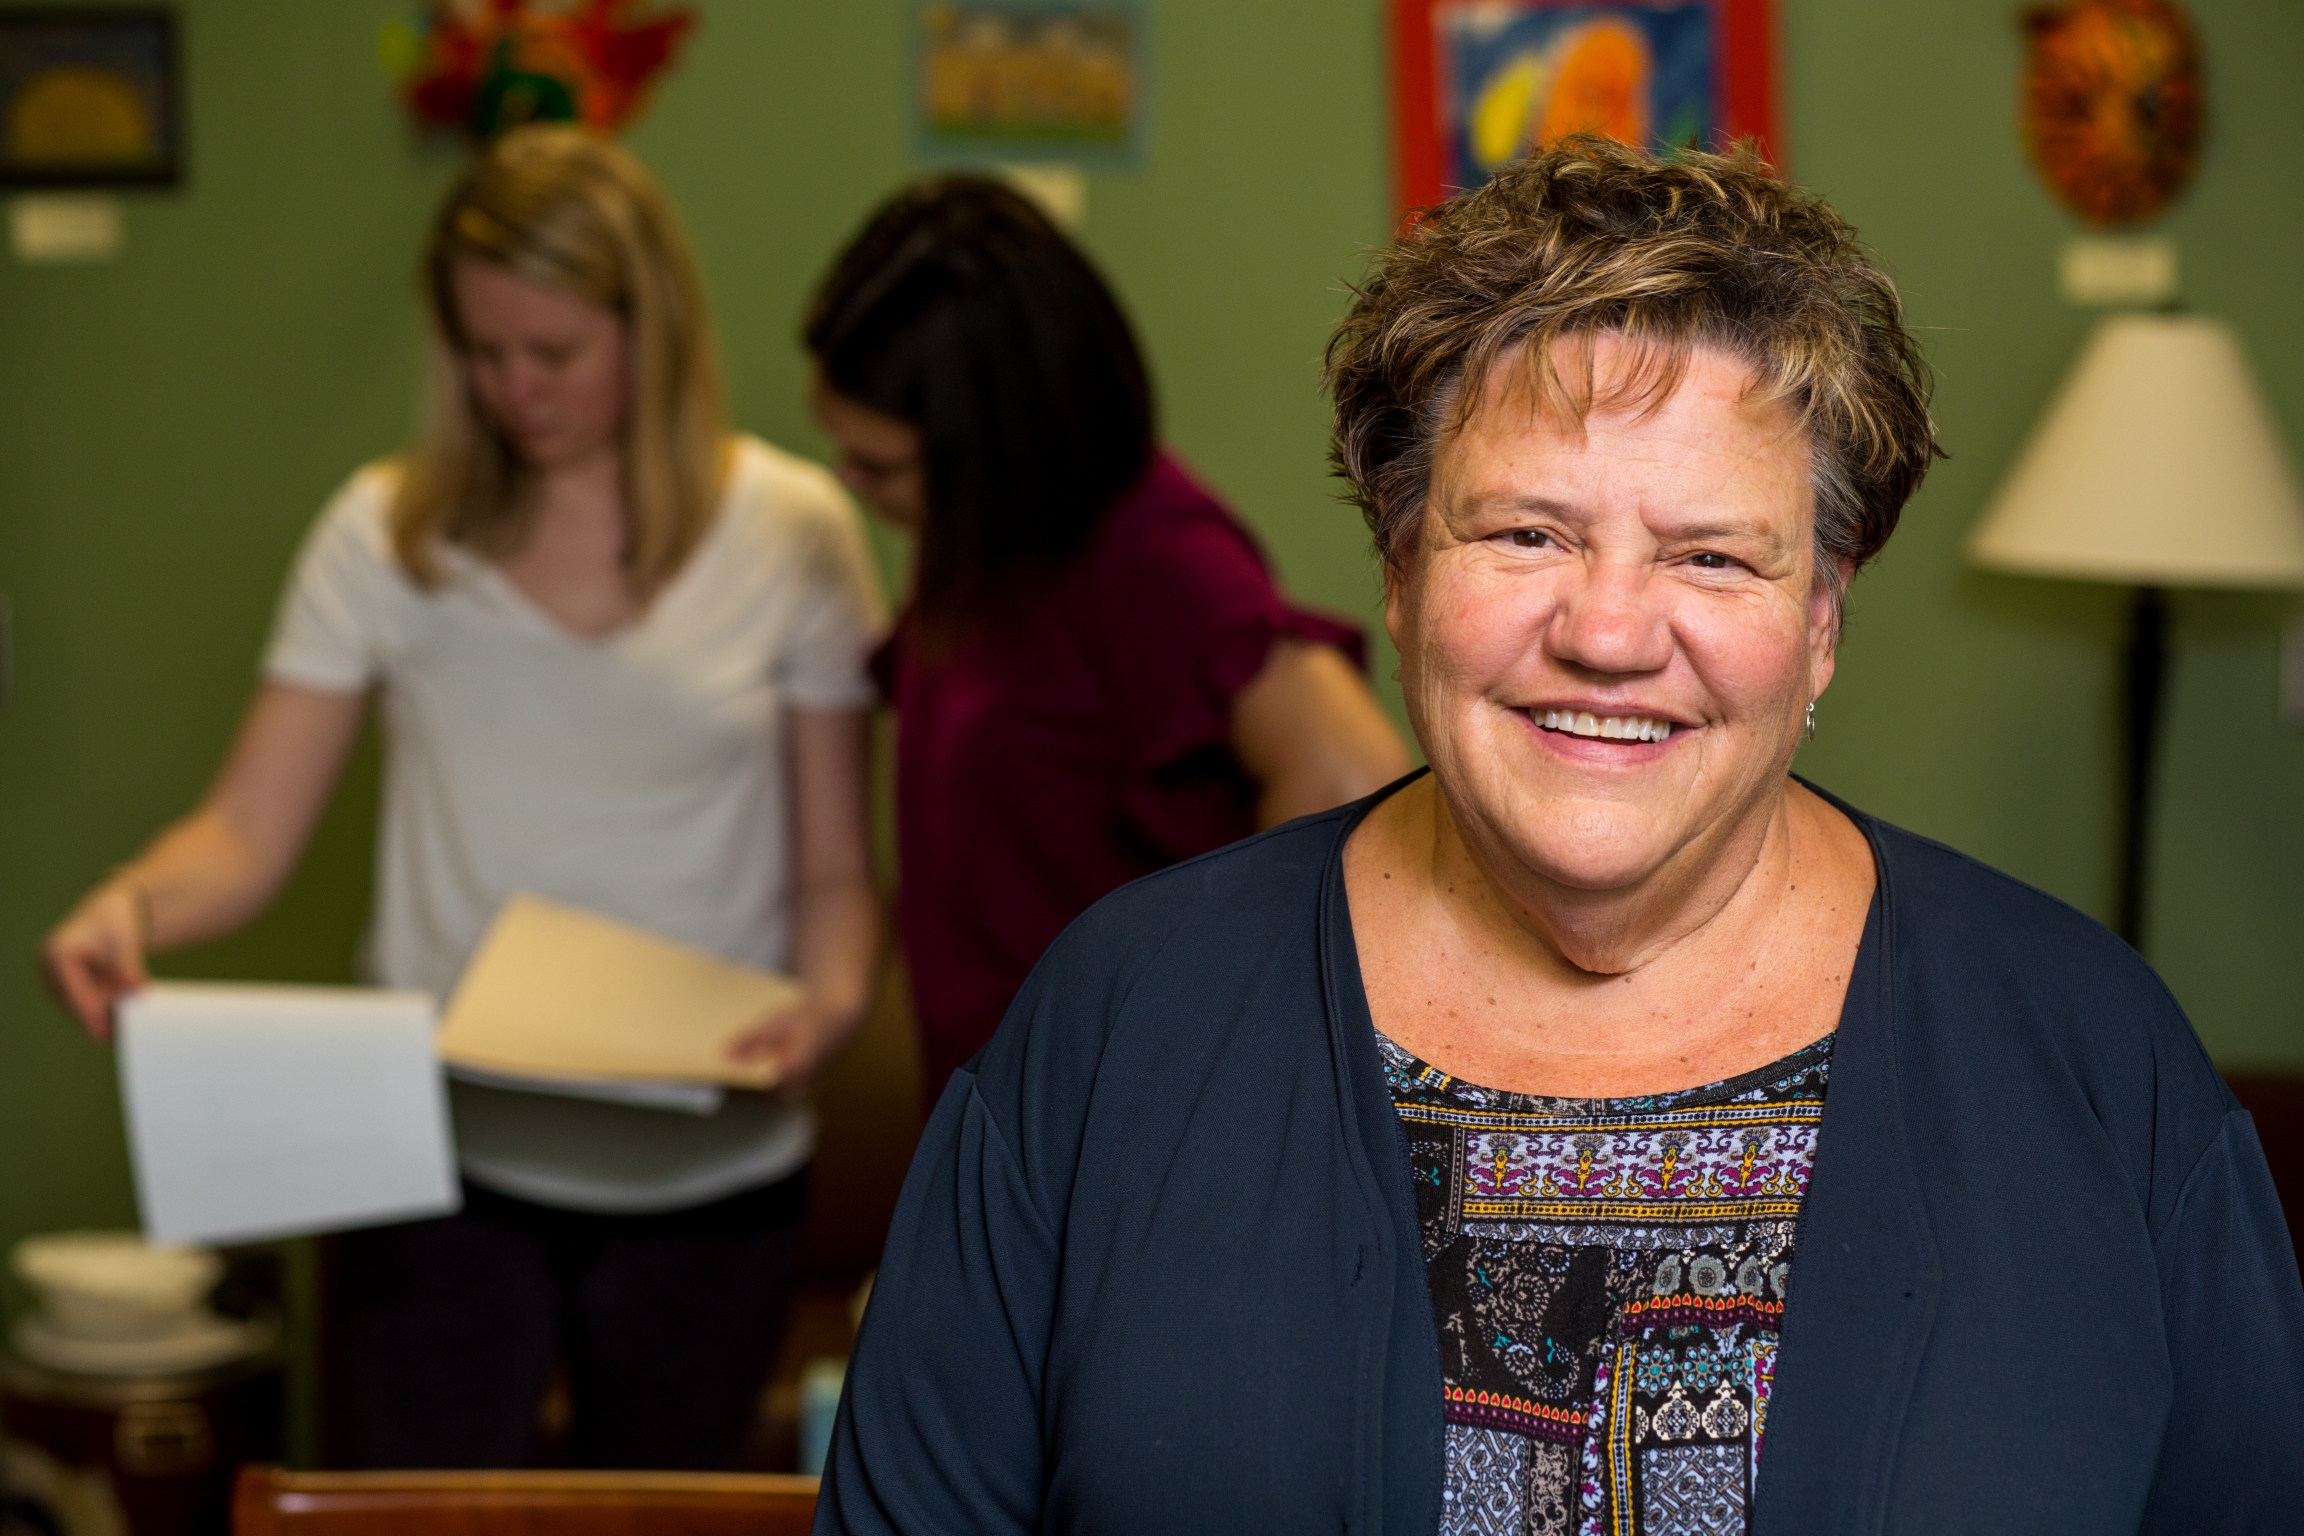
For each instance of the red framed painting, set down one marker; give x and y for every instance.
(1477, 83)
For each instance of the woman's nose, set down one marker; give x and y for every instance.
(1609, 619)
(523, 382)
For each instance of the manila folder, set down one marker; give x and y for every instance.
(556, 992)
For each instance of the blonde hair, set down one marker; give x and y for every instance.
(569, 211)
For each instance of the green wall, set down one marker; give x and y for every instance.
(1981, 709)
(169, 423)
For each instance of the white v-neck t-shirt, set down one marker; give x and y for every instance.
(640, 775)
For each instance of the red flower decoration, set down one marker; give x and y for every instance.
(517, 63)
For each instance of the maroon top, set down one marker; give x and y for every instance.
(1082, 742)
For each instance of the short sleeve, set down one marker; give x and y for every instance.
(1189, 613)
(333, 627)
(838, 615)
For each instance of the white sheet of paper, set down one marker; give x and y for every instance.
(270, 1111)
(555, 992)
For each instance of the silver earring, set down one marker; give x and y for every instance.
(1808, 729)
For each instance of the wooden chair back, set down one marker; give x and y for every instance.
(268, 1501)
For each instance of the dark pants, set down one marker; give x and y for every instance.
(446, 1330)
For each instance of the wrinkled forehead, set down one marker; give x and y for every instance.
(1700, 415)
(1557, 386)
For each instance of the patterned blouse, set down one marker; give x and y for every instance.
(1608, 1277)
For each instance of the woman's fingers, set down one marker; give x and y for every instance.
(85, 985)
(756, 1042)
(793, 1039)
(772, 1037)
(95, 957)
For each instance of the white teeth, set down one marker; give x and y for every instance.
(1609, 728)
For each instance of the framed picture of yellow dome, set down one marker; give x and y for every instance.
(88, 98)
(1477, 84)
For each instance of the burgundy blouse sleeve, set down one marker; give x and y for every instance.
(1187, 616)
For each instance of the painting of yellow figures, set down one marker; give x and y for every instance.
(1018, 80)
(87, 98)
(1496, 78)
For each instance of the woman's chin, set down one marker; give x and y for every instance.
(1563, 835)
(1582, 861)
(556, 451)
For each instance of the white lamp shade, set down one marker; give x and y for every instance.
(2157, 464)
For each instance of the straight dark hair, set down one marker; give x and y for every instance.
(961, 311)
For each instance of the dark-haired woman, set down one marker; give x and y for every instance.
(1095, 676)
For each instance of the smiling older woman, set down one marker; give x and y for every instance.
(1464, 1159)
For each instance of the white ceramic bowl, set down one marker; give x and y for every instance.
(115, 1287)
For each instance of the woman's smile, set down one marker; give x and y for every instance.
(1596, 739)
(1576, 722)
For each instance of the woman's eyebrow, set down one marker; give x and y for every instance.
(1506, 501)
(1760, 531)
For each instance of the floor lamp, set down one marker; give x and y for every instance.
(2157, 465)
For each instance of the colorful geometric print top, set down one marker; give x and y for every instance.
(1608, 1276)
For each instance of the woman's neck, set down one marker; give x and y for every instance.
(1687, 978)
(1715, 893)
(571, 559)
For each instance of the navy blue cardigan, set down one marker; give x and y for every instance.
(1156, 1265)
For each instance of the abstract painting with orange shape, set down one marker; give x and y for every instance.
(1479, 83)
(2112, 105)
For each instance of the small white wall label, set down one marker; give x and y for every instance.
(46, 228)
(2099, 270)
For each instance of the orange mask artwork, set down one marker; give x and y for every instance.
(2113, 106)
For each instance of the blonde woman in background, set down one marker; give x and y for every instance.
(620, 660)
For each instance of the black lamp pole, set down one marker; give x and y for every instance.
(2147, 672)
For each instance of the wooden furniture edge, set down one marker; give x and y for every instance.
(260, 1489)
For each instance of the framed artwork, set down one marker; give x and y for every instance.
(89, 98)
(1478, 83)
(1027, 80)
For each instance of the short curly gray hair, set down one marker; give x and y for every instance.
(1589, 238)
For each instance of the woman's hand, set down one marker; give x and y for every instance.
(96, 955)
(796, 1040)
